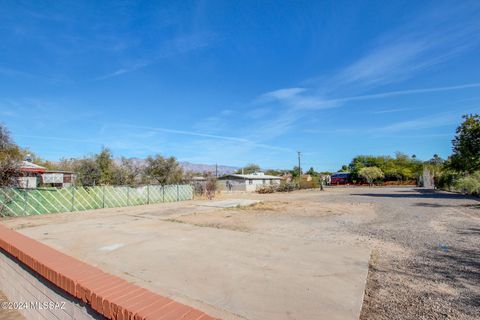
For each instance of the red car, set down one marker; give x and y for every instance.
(339, 178)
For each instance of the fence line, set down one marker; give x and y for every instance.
(24, 202)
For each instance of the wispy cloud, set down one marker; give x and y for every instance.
(54, 138)
(127, 69)
(393, 110)
(308, 100)
(427, 41)
(179, 45)
(281, 94)
(434, 121)
(243, 141)
(300, 103)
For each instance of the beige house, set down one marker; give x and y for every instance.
(246, 182)
(32, 175)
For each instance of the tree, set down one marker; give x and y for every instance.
(274, 172)
(436, 160)
(312, 172)
(371, 174)
(435, 166)
(164, 170)
(402, 167)
(127, 172)
(104, 161)
(10, 158)
(88, 172)
(249, 169)
(466, 145)
(295, 172)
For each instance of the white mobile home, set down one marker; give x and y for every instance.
(246, 182)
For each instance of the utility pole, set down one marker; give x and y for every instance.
(216, 170)
(299, 166)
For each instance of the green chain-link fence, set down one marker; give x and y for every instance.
(24, 202)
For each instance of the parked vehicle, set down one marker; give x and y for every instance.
(340, 178)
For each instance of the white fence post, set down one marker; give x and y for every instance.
(103, 196)
(148, 194)
(73, 198)
(25, 198)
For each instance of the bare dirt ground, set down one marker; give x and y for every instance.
(424, 264)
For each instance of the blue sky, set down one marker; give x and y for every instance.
(235, 82)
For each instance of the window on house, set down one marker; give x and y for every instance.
(250, 181)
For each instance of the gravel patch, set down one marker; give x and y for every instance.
(436, 272)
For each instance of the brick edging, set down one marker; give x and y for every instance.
(109, 295)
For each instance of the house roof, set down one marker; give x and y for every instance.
(253, 176)
(27, 166)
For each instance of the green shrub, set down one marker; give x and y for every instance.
(446, 180)
(469, 184)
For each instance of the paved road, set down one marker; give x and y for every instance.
(437, 276)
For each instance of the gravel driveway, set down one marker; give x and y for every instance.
(436, 272)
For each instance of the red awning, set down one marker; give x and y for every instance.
(31, 167)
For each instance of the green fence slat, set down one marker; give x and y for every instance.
(19, 202)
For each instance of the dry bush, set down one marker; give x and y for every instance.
(266, 189)
(211, 187)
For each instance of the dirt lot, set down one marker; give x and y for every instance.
(301, 255)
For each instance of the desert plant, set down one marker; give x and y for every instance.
(287, 186)
(371, 174)
(211, 187)
(266, 189)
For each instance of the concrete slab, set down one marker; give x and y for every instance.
(228, 274)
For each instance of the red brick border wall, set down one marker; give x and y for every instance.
(108, 295)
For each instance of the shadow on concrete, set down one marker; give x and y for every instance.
(418, 193)
(439, 205)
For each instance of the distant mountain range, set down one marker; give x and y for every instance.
(201, 168)
(194, 167)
